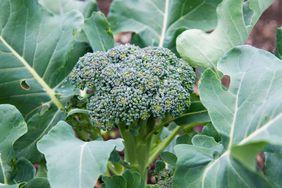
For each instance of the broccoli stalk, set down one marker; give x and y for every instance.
(137, 146)
(137, 90)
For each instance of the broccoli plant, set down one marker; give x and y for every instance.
(138, 90)
(134, 97)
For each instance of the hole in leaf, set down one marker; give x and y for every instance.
(25, 85)
(225, 81)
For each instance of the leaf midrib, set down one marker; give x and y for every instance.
(82, 148)
(50, 92)
(164, 25)
(231, 134)
(3, 170)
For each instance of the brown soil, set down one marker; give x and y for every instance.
(264, 34)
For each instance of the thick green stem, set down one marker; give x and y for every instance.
(160, 147)
(157, 151)
(137, 147)
(170, 119)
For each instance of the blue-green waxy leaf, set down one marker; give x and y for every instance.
(197, 114)
(254, 90)
(64, 6)
(35, 57)
(235, 21)
(159, 22)
(247, 114)
(129, 179)
(38, 183)
(191, 159)
(12, 127)
(96, 30)
(38, 125)
(23, 171)
(98, 33)
(71, 162)
(247, 153)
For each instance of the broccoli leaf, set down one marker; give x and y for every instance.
(12, 127)
(158, 22)
(35, 57)
(39, 125)
(279, 43)
(96, 30)
(37, 52)
(191, 159)
(63, 6)
(273, 164)
(235, 21)
(67, 156)
(23, 171)
(38, 182)
(129, 179)
(98, 33)
(247, 115)
(197, 114)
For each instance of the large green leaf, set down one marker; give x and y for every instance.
(34, 56)
(12, 126)
(84, 162)
(235, 21)
(247, 115)
(38, 125)
(192, 158)
(158, 22)
(37, 51)
(95, 30)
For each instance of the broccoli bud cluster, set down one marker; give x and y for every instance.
(165, 178)
(133, 83)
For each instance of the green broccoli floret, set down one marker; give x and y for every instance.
(133, 83)
(86, 72)
(165, 178)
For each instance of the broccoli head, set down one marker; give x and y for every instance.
(132, 83)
